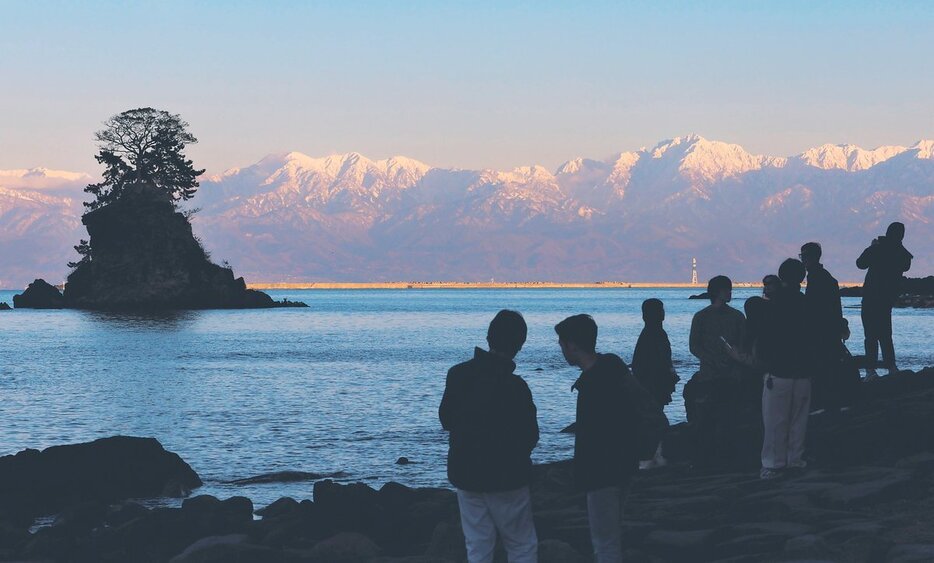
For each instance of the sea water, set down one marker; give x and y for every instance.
(349, 384)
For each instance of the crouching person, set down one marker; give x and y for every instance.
(606, 449)
(491, 420)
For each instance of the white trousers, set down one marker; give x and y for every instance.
(604, 511)
(785, 409)
(510, 514)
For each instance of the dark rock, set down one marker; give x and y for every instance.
(286, 477)
(681, 545)
(810, 547)
(403, 461)
(82, 517)
(125, 512)
(354, 507)
(143, 256)
(852, 291)
(33, 483)
(222, 549)
(345, 548)
(4, 306)
(703, 295)
(280, 507)
(39, 295)
(911, 552)
(556, 551)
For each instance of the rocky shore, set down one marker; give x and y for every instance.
(866, 496)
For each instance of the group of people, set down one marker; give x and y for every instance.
(788, 340)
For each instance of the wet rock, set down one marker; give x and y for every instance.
(122, 513)
(403, 461)
(810, 547)
(82, 517)
(280, 507)
(345, 548)
(556, 551)
(223, 549)
(286, 477)
(40, 294)
(4, 306)
(911, 552)
(33, 483)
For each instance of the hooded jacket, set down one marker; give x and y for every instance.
(491, 418)
(606, 431)
(885, 263)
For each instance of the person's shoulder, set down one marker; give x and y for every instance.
(459, 370)
(704, 312)
(734, 312)
(613, 362)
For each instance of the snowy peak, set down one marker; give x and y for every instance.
(42, 179)
(702, 160)
(847, 157)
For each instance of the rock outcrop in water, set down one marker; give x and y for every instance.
(143, 255)
(35, 483)
(4, 306)
(865, 497)
(40, 294)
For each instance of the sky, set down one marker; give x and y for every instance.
(466, 84)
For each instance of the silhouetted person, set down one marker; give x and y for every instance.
(652, 366)
(885, 262)
(606, 440)
(710, 398)
(785, 348)
(771, 285)
(489, 413)
(827, 325)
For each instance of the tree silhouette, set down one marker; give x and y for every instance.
(144, 145)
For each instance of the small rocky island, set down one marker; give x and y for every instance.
(141, 253)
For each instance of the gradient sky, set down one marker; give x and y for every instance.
(472, 84)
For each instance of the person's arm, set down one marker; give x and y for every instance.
(696, 341)
(529, 421)
(447, 411)
(866, 259)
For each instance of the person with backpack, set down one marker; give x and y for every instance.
(612, 408)
(885, 261)
(491, 420)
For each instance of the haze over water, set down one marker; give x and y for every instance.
(350, 384)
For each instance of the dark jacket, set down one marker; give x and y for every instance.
(651, 364)
(491, 418)
(606, 431)
(885, 263)
(786, 346)
(822, 297)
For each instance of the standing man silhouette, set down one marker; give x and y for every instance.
(489, 413)
(825, 313)
(606, 448)
(885, 262)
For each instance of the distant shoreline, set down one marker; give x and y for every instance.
(497, 285)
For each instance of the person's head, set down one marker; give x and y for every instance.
(791, 272)
(720, 289)
(653, 311)
(507, 333)
(771, 285)
(895, 232)
(810, 254)
(577, 337)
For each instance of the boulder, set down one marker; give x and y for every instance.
(286, 477)
(4, 306)
(34, 483)
(144, 256)
(40, 294)
(345, 548)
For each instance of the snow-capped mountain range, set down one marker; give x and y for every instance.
(638, 216)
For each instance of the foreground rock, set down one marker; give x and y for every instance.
(40, 294)
(143, 255)
(34, 483)
(866, 497)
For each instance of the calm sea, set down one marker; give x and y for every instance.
(350, 384)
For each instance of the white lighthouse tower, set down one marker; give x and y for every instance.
(693, 271)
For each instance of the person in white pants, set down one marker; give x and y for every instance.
(786, 348)
(786, 404)
(509, 513)
(489, 413)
